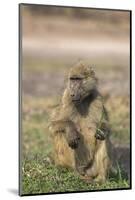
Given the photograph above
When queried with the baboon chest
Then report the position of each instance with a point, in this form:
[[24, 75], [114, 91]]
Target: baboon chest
[[84, 126]]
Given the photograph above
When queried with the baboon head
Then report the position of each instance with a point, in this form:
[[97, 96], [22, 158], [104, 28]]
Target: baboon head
[[81, 82]]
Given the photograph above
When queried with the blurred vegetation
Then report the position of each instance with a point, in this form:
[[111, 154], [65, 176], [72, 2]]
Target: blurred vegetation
[[78, 13]]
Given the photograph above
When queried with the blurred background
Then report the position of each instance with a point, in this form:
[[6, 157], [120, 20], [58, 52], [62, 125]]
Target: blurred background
[[53, 40]]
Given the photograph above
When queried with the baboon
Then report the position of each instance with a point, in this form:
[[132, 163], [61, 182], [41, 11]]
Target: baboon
[[80, 127]]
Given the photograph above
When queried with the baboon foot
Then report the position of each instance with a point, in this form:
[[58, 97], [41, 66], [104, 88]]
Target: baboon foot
[[49, 159], [86, 178], [99, 179]]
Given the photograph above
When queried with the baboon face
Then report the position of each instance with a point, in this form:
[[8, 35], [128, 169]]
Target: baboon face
[[75, 84], [81, 83]]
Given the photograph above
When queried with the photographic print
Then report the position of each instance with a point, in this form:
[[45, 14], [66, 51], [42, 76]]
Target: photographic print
[[75, 99]]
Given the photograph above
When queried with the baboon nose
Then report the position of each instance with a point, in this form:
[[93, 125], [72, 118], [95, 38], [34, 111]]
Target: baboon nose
[[72, 95], [75, 97]]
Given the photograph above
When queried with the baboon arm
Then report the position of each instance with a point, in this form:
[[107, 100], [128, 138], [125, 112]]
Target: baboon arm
[[98, 117], [56, 123], [61, 124], [57, 127]]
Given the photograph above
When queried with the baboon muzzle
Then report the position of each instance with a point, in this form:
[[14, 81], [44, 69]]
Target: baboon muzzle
[[75, 87], [75, 97]]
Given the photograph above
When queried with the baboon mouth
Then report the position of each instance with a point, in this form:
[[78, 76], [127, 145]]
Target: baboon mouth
[[76, 101]]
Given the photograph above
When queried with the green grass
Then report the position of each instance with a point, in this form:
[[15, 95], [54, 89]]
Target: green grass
[[38, 174]]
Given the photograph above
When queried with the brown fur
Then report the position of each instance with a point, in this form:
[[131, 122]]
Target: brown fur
[[82, 119]]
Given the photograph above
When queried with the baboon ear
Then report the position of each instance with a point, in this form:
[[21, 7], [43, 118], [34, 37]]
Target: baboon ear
[[92, 72]]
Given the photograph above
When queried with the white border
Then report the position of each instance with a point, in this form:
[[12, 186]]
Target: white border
[[9, 97]]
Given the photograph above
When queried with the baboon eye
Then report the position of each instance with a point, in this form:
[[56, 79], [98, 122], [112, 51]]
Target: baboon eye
[[75, 78]]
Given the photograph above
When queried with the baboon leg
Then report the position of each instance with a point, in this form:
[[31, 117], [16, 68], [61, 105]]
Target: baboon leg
[[87, 179], [92, 171], [62, 151], [103, 171], [103, 163], [99, 170]]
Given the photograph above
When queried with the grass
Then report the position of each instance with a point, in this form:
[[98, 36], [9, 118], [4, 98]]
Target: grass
[[38, 174]]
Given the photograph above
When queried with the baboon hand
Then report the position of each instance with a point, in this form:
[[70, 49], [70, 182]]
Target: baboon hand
[[73, 142], [100, 135]]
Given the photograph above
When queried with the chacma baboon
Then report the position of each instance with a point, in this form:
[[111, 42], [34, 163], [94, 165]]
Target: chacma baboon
[[80, 127]]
